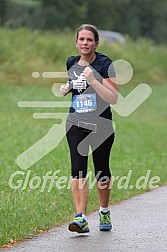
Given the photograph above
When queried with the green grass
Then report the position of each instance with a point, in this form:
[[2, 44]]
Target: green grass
[[140, 143]]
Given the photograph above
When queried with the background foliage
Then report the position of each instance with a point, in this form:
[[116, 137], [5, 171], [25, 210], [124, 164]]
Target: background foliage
[[138, 18]]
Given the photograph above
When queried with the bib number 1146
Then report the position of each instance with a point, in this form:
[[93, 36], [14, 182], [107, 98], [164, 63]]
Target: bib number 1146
[[84, 102]]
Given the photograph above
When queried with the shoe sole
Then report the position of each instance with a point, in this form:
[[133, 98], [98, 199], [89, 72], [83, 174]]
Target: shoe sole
[[105, 228], [74, 227]]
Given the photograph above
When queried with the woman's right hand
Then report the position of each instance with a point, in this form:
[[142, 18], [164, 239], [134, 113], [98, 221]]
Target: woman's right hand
[[64, 89]]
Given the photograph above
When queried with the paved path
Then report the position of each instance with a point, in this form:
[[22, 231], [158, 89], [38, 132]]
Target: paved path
[[139, 224]]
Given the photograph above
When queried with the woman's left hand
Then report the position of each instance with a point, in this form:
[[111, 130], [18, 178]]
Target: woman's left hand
[[88, 73]]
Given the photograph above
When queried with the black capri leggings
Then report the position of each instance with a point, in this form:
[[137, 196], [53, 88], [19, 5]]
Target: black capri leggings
[[79, 140]]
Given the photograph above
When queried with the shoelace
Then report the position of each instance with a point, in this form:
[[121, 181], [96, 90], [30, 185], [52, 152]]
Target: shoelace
[[79, 219], [105, 218]]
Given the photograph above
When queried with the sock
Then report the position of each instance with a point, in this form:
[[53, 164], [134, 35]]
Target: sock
[[84, 216], [104, 209]]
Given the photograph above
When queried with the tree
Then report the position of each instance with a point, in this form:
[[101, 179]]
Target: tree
[[59, 14], [3, 11]]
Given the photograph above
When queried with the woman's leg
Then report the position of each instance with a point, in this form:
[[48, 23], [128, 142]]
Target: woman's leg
[[101, 156], [103, 176], [80, 194], [104, 189], [78, 168]]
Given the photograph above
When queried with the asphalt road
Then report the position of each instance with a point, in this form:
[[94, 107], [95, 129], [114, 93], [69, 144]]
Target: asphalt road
[[139, 224]]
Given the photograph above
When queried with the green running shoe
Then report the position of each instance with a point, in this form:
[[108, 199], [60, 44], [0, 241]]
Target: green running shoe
[[105, 221], [79, 224]]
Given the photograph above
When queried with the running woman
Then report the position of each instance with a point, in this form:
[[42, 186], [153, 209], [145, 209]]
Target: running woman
[[92, 82]]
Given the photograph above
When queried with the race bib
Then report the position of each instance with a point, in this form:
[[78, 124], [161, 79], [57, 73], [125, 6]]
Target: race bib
[[84, 103]]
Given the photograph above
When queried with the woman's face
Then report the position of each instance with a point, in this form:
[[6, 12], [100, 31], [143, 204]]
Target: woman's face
[[86, 42]]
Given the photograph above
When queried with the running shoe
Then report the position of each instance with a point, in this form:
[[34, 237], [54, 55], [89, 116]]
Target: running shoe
[[79, 224], [105, 221]]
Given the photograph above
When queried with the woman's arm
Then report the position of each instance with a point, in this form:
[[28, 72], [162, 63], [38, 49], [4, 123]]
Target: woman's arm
[[108, 91]]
